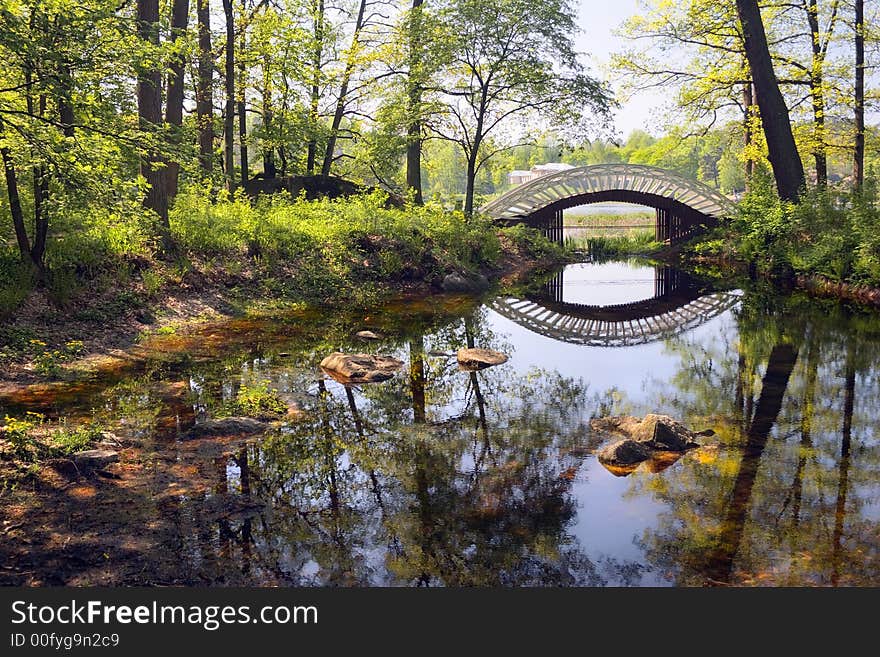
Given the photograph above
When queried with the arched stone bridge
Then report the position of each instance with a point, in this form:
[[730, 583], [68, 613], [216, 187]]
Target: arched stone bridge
[[678, 305], [682, 206]]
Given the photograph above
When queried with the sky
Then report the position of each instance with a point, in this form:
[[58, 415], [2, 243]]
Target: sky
[[598, 19]]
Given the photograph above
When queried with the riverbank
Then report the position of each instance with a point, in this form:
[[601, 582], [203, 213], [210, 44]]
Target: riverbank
[[812, 284], [46, 340]]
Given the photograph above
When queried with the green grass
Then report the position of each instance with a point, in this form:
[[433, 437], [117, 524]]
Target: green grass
[[639, 243], [326, 250], [65, 440]]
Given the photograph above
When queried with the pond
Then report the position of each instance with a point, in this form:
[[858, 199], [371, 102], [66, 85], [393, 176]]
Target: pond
[[446, 477]]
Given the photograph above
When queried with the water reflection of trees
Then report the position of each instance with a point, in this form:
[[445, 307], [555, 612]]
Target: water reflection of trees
[[785, 499], [438, 477]]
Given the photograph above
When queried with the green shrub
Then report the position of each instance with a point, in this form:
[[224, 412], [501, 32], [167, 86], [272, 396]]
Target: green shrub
[[532, 242], [66, 441], [19, 433], [335, 245], [16, 281]]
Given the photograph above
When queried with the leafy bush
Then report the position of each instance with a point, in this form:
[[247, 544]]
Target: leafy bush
[[16, 281], [831, 233], [19, 433], [66, 441], [334, 244], [532, 242]]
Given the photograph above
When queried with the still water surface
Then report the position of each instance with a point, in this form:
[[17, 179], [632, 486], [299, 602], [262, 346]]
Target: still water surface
[[447, 477]]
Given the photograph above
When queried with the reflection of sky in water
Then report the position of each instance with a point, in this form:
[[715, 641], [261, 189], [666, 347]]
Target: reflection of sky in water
[[609, 520], [604, 368], [606, 284]]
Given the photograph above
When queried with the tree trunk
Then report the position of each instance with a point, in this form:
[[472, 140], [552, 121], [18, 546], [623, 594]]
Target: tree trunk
[[282, 155], [317, 56], [21, 236], [470, 182], [788, 170], [65, 105], [149, 89], [414, 129], [40, 184], [343, 91], [174, 99], [859, 154], [229, 114], [269, 170], [748, 137], [242, 113], [205, 89], [817, 94]]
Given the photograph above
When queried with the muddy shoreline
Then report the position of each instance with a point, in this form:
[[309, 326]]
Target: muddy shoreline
[[196, 303]]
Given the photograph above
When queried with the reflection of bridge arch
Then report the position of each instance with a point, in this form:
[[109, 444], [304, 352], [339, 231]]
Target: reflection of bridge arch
[[678, 305], [682, 206]]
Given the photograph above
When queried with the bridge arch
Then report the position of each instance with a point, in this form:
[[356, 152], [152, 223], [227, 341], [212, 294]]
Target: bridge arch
[[678, 305], [682, 206]]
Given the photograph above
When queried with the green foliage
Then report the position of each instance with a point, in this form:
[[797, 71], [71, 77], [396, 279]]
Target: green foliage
[[16, 281], [532, 243], [48, 362], [638, 243], [18, 431], [256, 400], [32, 438], [332, 244], [65, 440], [830, 233]]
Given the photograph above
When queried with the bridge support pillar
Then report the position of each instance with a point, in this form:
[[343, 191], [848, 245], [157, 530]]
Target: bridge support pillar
[[553, 226], [668, 227]]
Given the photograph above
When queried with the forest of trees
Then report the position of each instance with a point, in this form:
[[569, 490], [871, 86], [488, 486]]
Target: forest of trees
[[816, 56], [108, 103], [110, 110]]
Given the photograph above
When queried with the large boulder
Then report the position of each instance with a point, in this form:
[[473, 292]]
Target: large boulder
[[465, 283], [479, 358], [360, 368], [662, 432], [226, 426], [658, 439], [624, 452]]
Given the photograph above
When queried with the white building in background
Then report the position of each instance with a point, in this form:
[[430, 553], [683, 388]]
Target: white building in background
[[519, 176]]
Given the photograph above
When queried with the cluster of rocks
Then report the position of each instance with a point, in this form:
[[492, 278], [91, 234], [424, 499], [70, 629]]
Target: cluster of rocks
[[652, 437]]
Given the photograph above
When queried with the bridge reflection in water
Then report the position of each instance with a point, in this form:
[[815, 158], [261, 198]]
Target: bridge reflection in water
[[680, 303]]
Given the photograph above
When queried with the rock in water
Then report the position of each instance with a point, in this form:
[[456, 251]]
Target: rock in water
[[624, 452], [656, 438], [480, 358], [465, 283], [662, 432], [368, 335], [94, 459], [360, 368], [227, 426]]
